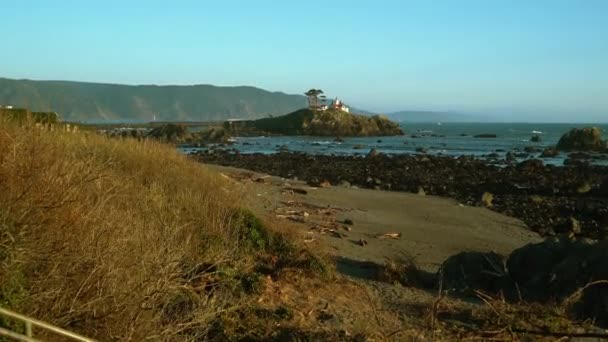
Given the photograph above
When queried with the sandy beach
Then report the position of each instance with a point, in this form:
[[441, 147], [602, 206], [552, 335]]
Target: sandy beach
[[429, 228]]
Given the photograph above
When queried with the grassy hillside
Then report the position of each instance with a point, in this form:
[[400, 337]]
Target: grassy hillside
[[125, 240], [95, 101], [327, 123]]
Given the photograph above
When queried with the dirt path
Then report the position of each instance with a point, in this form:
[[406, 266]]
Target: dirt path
[[428, 228]]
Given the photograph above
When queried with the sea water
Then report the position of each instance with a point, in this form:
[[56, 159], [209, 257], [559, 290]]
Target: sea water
[[450, 139]]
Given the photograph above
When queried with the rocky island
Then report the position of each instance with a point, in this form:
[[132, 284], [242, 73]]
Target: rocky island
[[330, 122], [317, 120]]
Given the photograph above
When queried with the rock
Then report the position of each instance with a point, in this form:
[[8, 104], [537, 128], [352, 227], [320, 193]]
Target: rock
[[485, 135], [556, 269], [549, 152], [379, 141], [297, 191], [604, 187], [174, 133], [553, 269], [530, 149], [486, 199], [582, 139], [349, 222], [469, 271], [575, 226], [314, 182], [421, 149], [579, 155], [592, 305], [358, 147], [530, 267], [531, 165], [593, 302], [536, 138], [510, 157], [325, 184], [575, 162], [373, 153], [583, 188], [283, 149], [345, 184], [217, 135], [339, 140]]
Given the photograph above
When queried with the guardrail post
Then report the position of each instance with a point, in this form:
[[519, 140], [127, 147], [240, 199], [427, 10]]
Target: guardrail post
[[28, 328]]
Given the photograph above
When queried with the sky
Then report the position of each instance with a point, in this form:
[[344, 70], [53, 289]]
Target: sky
[[517, 59]]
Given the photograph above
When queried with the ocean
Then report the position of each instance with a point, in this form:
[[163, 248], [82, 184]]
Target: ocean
[[450, 139]]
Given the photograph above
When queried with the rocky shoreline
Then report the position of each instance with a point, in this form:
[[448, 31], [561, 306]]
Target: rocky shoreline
[[549, 199]]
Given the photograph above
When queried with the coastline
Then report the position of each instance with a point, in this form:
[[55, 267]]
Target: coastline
[[550, 200]]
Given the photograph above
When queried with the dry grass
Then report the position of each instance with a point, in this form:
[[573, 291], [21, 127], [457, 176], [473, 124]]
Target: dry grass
[[116, 239]]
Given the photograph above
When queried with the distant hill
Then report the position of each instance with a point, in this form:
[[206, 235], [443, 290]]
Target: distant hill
[[79, 101], [430, 116]]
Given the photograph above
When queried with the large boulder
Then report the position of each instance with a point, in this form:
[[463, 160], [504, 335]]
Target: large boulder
[[562, 269], [558, 268], [547, 270], [549, 152], [467, 272], [593, 300], [582, 139]]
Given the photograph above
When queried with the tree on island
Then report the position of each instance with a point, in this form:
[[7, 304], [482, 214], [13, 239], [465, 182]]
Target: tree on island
[[313, 98]]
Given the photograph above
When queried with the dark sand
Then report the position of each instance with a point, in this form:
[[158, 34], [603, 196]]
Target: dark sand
[[431, 228]]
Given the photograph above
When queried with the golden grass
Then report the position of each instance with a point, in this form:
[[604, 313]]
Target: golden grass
[[116, 239]]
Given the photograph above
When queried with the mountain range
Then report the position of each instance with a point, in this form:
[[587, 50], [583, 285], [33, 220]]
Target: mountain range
[[80, 101], [98, 102]]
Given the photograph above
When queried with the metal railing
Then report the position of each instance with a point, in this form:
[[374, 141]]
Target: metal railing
[[30, 323]]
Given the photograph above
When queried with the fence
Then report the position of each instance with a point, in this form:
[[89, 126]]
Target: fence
[[30, 323]]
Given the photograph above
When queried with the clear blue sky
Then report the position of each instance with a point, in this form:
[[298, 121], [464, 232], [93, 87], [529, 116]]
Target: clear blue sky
[[529, 59]]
